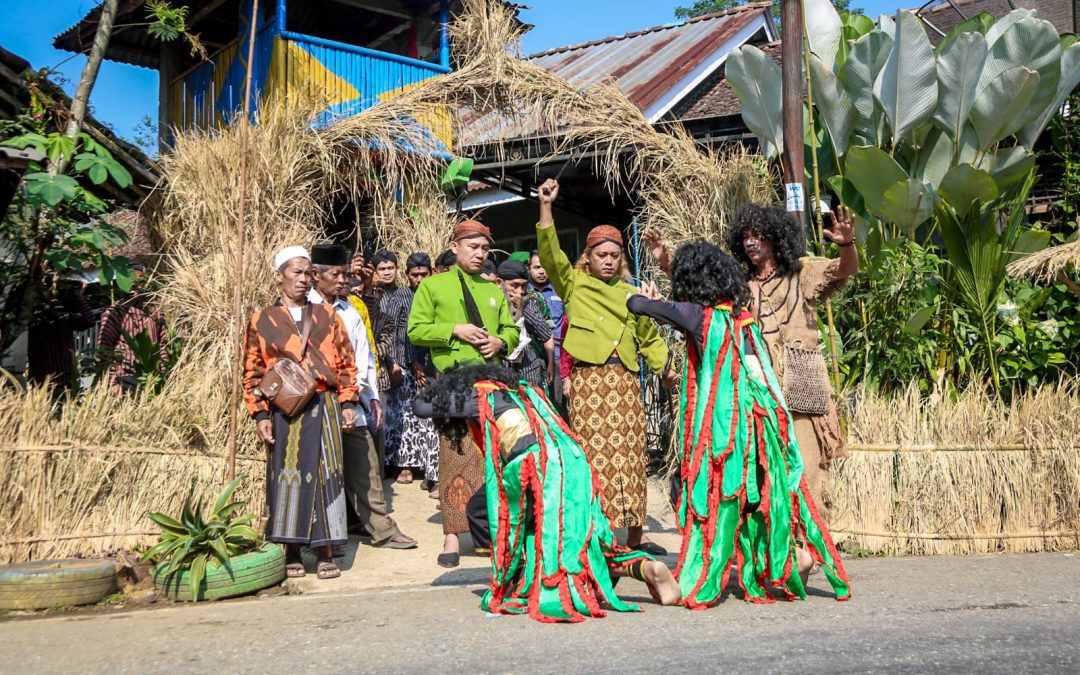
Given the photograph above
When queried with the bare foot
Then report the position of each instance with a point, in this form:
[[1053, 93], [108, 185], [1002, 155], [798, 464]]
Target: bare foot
[[662, 581], [804, 562]]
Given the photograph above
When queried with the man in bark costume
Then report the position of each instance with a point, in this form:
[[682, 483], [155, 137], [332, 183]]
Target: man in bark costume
[[461, 318], [744, 500], [605, 340], [786, 286], [554, 554]]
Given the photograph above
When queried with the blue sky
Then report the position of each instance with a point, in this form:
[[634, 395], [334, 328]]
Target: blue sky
[[125, 94]]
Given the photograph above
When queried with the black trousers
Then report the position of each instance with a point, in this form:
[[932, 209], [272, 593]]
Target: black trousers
[[476, 512]]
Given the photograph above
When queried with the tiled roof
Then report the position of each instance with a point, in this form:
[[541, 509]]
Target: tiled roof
[[944, 16]]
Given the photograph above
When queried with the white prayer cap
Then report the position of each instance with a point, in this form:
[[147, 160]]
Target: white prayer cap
[[288, 253]]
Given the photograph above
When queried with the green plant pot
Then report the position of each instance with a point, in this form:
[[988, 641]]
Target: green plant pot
[[57, 583], [250, 572]]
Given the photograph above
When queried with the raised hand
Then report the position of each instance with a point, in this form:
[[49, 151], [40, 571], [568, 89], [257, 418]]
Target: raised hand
[[549, 191], [842, 231], [657, 247]]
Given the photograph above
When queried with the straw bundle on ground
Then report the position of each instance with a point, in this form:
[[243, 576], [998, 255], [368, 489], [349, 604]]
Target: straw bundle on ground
[[976, 477], [1048, 263], [80, 477]]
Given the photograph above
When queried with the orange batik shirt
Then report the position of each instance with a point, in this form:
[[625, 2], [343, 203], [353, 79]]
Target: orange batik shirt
[[272, 334]]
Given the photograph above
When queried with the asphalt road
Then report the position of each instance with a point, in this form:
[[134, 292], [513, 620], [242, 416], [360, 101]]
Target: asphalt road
[[1017, 613]]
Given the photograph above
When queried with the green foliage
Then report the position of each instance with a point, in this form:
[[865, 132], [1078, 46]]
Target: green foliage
[[1064, 152], [167, 23], [194, 542], [54, 227]]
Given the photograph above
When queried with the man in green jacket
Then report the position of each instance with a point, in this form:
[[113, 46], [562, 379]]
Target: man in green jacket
[[605, 340], [440, 318], [461, 318]]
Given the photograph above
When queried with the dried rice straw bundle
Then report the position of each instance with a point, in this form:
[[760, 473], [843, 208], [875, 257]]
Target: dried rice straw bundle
[[1048, 263]]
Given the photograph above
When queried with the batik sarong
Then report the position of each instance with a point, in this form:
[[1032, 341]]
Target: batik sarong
[[461, 474], [304, 481], [607, 413], [411, 442]]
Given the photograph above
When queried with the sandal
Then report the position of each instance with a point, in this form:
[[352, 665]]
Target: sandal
[[405, 477], [294, 570], [327, 569]]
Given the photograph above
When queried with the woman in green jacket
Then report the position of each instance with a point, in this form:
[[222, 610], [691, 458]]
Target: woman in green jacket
[[604, 339]]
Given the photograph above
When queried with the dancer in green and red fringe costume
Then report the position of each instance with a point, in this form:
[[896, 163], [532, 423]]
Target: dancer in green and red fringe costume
[[554, 553], [744, 501]]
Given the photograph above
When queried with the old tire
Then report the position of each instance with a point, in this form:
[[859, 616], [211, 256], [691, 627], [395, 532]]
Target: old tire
[[251, 572], [43, 584]]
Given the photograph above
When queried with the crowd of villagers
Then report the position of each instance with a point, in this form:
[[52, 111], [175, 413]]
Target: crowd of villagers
[[512, 394]]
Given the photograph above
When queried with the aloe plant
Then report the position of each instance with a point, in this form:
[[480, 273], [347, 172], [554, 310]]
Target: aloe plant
[[194, 542]]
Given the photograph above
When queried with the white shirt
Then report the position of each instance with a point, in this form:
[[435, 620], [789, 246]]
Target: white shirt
[[366, 375]]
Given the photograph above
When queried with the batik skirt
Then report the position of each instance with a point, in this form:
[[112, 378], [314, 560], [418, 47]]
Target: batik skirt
[[304, 480], [461, 474], [411, 442], [607, 413]]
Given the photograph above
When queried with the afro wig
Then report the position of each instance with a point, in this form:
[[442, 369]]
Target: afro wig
[[703, 274], [454, 388], [775, 225]]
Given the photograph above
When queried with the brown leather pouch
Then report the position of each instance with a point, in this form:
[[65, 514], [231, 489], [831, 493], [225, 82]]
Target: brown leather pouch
[[286, 384]]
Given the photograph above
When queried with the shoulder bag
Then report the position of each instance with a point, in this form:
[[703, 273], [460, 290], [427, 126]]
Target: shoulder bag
[[287, 385]]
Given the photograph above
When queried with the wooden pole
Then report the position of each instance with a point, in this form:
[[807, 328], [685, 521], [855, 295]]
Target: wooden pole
[[241, 236], [791, 26]]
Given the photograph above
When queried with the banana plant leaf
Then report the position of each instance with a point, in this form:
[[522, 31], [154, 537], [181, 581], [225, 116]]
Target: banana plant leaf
[[909, 203], [872, 171], [1068, 79], [1010, 165], [1002, 25], [755, 78], [1001, 107], [1031, 43], [824, 30], [960, 66], [834, 104], [935, 158], [965, 185], [980, 23], [854, 27], [860, 71], [907, 87]]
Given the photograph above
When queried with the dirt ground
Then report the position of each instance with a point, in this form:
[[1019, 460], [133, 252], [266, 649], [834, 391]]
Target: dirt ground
[[367, 567]]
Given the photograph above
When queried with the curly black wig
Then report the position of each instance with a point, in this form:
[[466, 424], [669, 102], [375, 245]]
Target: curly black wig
[[454, 388], [776, 225], [703, 274]]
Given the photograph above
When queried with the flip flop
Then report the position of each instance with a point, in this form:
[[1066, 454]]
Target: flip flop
[[295, 570], [327, 569], [404, 478], [401, 545]]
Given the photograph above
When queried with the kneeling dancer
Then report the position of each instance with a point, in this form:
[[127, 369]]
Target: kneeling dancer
[[744, 497], [553, 550]]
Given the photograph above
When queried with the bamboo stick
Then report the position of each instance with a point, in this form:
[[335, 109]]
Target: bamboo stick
[[862, 447], [959, 537], [94, 449], [241, 236], [71, 537]]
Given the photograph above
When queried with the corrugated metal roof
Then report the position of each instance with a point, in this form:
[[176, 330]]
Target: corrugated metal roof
[[646, 65]]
